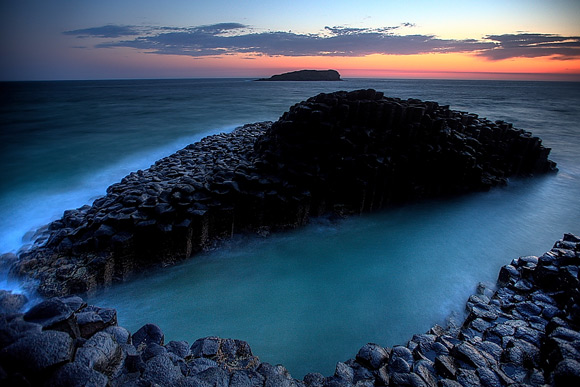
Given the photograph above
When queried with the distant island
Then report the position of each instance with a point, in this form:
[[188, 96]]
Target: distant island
[[305, 75]]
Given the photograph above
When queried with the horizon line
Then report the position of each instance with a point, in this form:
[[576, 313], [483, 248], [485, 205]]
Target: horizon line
[[493, 76]]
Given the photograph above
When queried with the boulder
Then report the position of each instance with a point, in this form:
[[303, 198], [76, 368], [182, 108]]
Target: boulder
[[372, 355], [314, 379], [344, 373], [445, 366], [38, 352], [93, 319], [566, 373], [77, 374], [152, 350], [469, 354], [50, 313], [11, 302], [120, 334], [102, 353], [206, 347], [160, 370], [14, 327], [214, 376], [180, 348], [243, 378], [147, 334], [200, 364]]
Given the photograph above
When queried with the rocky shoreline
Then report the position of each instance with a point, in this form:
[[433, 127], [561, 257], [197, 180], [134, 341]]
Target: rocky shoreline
[[525, 332], [338, 154]]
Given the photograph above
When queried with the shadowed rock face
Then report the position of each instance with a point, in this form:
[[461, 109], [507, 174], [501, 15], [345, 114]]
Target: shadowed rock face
[[306, 75], [341, 153], [363, 151]]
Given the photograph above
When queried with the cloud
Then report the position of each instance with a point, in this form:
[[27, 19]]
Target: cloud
[[236, 38], [108, 31], [338, 31], [526, 45], [232, 38], [220, 28]]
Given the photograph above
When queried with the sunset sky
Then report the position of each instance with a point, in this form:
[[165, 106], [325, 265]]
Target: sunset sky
[[111, 39]]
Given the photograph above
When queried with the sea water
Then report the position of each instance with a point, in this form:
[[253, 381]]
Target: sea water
[[310, 297]]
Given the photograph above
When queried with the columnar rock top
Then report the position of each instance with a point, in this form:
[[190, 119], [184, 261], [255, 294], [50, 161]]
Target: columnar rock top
[[340, 153], [421, 148], [525, 332]]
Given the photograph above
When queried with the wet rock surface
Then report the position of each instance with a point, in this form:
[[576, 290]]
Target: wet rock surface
[[340, 154], [525, 336]]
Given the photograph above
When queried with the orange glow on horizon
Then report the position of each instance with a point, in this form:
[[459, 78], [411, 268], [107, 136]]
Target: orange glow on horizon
[[451, 66], [424, 65], [385, 66]]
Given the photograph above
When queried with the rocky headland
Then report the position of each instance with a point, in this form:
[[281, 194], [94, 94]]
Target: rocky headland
[[522, 332], [338, 154], [305, 75]]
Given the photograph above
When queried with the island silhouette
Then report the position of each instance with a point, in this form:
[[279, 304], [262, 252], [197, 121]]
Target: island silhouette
[[305, 75]]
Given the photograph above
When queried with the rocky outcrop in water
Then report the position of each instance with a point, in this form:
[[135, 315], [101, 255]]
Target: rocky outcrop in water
[[341, 153], [306, 75], [362, 151], [524, 333]]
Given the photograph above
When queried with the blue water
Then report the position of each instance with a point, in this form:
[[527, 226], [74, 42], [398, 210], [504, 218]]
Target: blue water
[[311, 297]]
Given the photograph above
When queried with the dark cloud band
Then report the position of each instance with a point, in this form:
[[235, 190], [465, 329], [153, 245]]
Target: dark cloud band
[[236, 38], [533, 46], [108, 31]]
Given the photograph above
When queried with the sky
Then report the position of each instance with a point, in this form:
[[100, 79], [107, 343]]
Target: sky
[[124, 39]]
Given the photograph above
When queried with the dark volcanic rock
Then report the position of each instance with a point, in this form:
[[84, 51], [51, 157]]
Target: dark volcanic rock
[[373, 355], [148, 334], [11, 302], [38, 352], [306, 75], [54, 314], [77, 374], [505, 340], [362, 151], [335, 154], [161, 370]]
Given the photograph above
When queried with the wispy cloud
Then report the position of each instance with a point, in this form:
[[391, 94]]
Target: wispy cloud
[[236, 38], [528, 45], [108, 31]]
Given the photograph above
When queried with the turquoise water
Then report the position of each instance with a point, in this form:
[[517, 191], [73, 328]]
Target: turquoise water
[[311, 297]]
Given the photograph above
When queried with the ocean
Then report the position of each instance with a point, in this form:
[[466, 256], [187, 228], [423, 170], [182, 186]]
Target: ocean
[[310, 297]]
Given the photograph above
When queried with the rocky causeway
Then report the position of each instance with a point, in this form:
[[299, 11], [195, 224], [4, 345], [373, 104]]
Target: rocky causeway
[[337, 154]]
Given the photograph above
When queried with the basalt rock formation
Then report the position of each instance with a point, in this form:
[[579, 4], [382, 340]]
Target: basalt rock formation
[[526, 332], [362, 151], [305, 75], [341, 153]]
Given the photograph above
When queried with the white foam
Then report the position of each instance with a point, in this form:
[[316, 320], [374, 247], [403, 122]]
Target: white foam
[[10, 284], [22, 213]]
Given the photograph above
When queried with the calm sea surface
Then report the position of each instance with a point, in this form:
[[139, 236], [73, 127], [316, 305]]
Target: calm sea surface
[[307, 298]]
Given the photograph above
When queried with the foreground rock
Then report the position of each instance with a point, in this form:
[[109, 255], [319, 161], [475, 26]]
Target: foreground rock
[[306, 75], [524, 333], [339, 154]]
